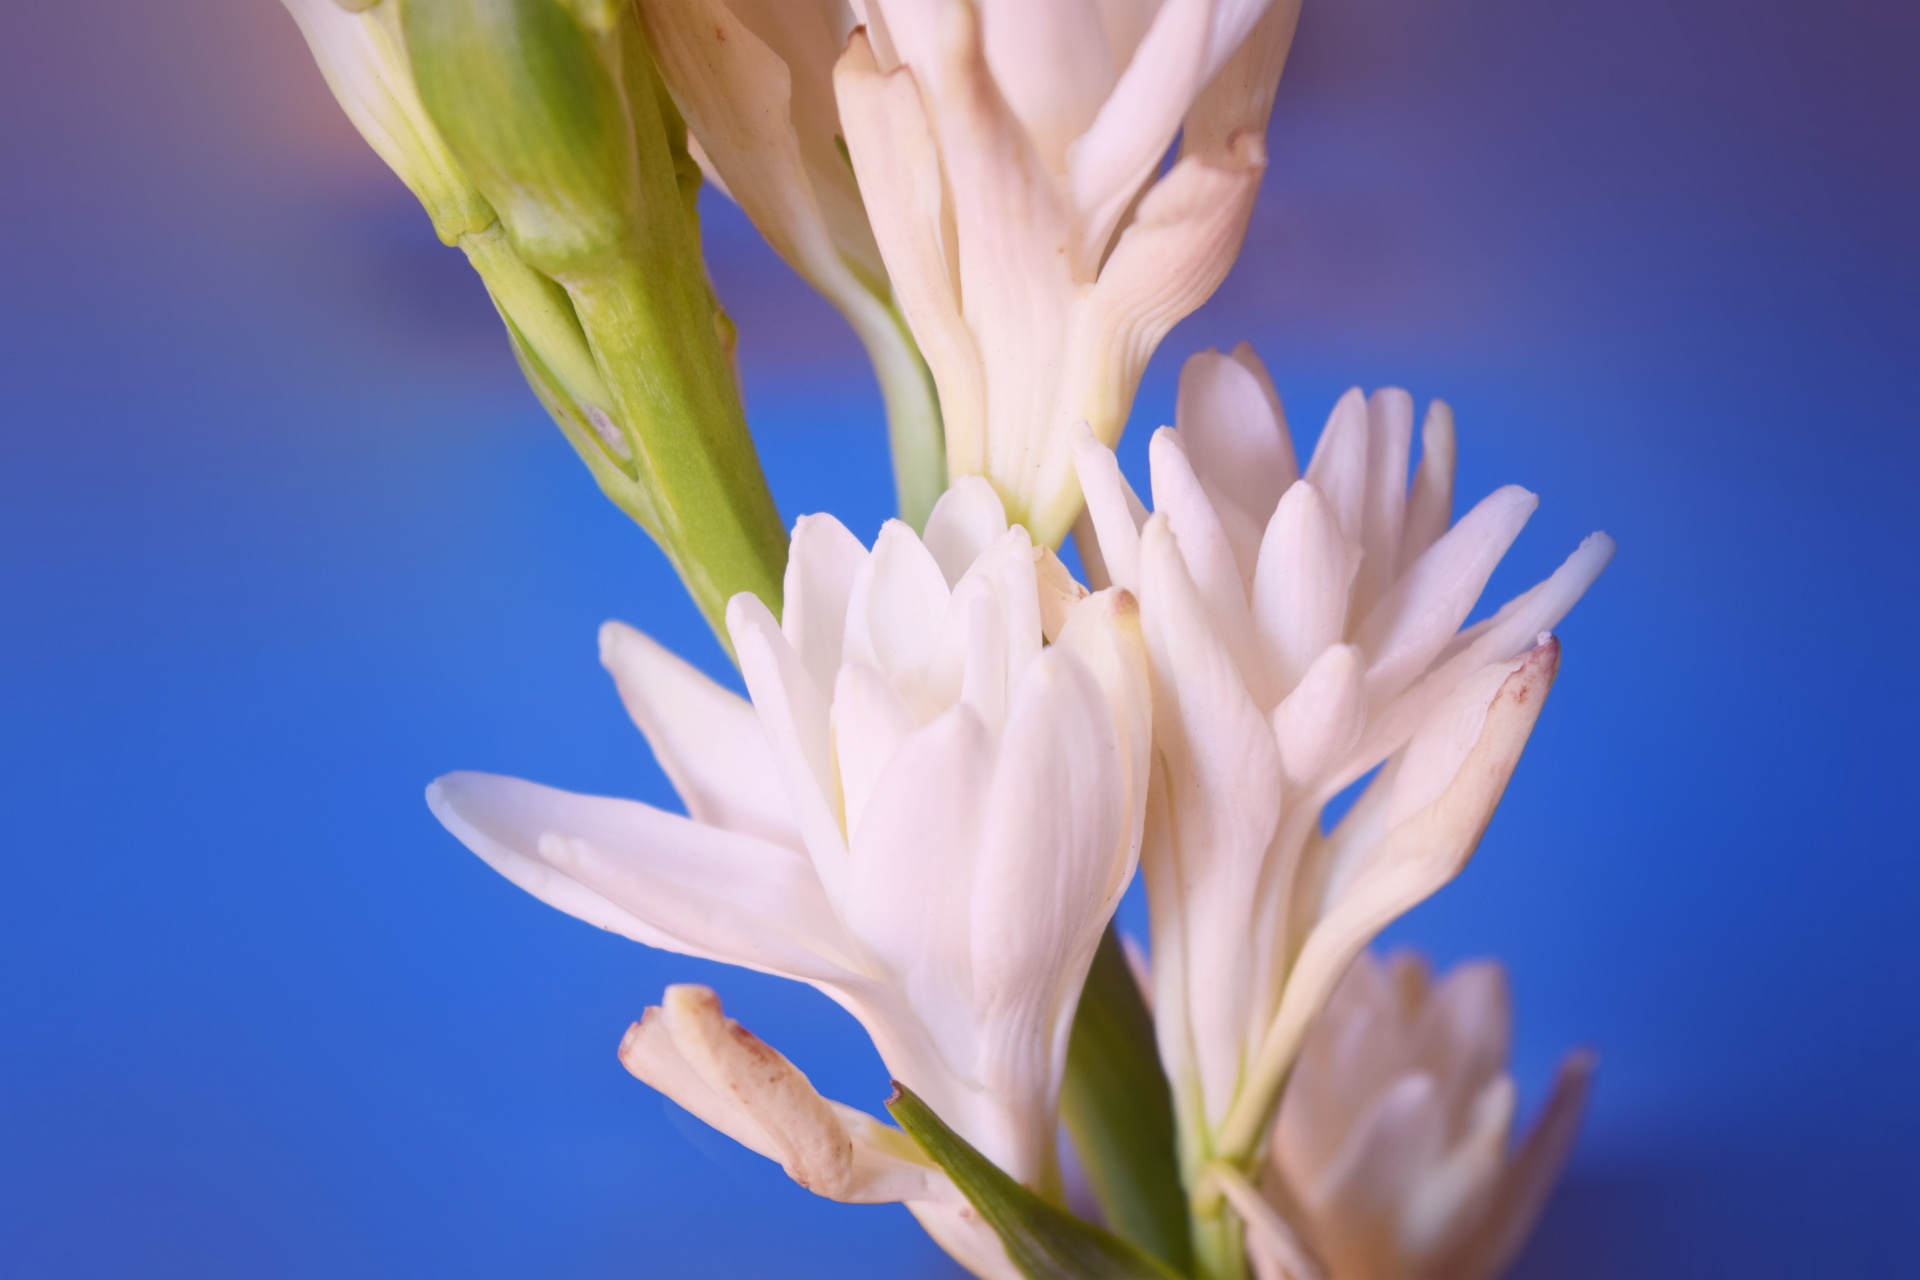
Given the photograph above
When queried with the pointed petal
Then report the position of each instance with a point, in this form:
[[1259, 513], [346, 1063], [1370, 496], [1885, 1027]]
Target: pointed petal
[[1056, 851], [899, 602], [1059, 593], [1530, 1175], [822, 562], [870, 721], [909, 881], [1239, 445], [1466, 1030], [707, 738], [1339, 465], [966, 520], [891, 145], [1178, 495], [1376, 882], [1222, 800], [1453, 1193], [694, 889], [1416, 618], [1430, 505], [793, 715], [1321, 720], [1390, 438], [739, 97], [1301, 584], [1115, 510], [1360, 1193]]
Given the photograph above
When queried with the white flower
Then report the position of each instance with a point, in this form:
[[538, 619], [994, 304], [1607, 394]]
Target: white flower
[[1394, 1144], [923, 812], [1302, 632], [1007, 156], [754, 81], [721, 1072]]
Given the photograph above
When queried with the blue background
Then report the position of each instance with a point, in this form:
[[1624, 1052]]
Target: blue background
[[282, 537]]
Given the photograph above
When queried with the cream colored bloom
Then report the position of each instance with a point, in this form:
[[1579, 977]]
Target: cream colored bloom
[[721, 1072], [754, 80], [1303, 631], [923, 812], [1394, 1147], [1008, 153]]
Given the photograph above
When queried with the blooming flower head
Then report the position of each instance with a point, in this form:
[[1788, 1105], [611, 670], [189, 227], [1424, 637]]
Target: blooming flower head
[[1007, 154], [1302, 631], [925, 811], [1394, 1145]]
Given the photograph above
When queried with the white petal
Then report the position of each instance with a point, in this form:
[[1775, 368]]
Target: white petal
[[1390, 438], [1223, 801], [1359, 1194], [1453, 1195], [1178, 495], [1053, 64], [1059, 593], [870, 721], [1430, 504], [1104, 632], [1301, 584], [966, 520], [1339, 466], [822, 560], [891, 145], [899, 602], [1525, 616], [1466, 1030], [1238, 442], [765, 120], [909, 882], [793, 714], [1416, 618], [1320, 721], [1408, 860], [1239, 98], [1115, 510], [1530, 1175], [707, 738], [694, 889]]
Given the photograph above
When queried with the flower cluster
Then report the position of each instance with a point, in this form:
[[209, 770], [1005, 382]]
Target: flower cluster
[[952, 756]]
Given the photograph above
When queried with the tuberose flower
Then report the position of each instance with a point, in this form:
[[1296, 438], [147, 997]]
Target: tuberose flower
[[1007, 154], [1302, 631], [1394, 1146], [924, 812], [754, 81]]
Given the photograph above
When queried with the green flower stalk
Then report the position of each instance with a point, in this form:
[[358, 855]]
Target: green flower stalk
[[538, 137]]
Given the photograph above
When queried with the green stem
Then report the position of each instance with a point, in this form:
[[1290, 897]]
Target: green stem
[[1219, 1246]]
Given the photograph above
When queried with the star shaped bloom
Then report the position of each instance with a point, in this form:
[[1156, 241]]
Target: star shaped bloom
[[1303, 631], [925, 811], [1394, 1144], [1009, 155]]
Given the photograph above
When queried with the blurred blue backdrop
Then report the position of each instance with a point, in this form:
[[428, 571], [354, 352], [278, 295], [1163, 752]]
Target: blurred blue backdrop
[[282, 537]]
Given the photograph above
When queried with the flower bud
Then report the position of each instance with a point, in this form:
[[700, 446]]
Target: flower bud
[[530, 97]]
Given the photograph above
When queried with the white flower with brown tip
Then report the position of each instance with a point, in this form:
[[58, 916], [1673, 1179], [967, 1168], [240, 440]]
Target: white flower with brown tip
[[1303, 631]]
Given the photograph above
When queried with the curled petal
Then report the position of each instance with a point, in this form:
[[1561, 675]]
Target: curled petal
[[689, 1050], [967, 519], [1116, 511], [1430, 504], [1235, 433]]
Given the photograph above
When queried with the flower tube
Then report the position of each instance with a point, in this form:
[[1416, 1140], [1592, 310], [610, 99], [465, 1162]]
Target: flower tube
[[928, 809], [1304, 631], [1007, 154]]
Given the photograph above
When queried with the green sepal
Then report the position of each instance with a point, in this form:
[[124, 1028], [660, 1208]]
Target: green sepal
[[1043, 1241], [1119, 1111], [529, 98]]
